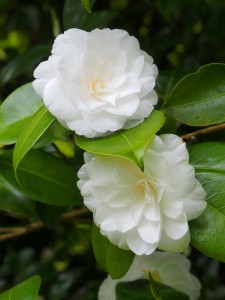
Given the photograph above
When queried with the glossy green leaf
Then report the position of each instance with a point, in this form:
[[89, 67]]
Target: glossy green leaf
[[110, 258], [36, 127], [24, 62], [55, 132], [99, 19], [166, 81], [74, 14], [16, 111], [13, 201], [86, 5], [27, 290], [140, 290], [207, 231], [199, 98], [43, 177], [129, 144]]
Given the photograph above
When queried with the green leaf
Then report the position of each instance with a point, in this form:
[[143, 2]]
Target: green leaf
[[199, 98], [49, 214], [43, 177], [55, 132], [207, 231], [16, 111], [110, 258], [86, 5], [99, 19], [36, 127], [129, 144], [139, 290], [166, 81], [27, 290], [74, 14], [24, 62], [13, 201]]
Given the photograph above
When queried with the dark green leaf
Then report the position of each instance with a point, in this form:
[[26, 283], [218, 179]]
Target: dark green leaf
[[99, 19], [139, 290], [49, 214], [16, 111], [36, 127], [129, 144], [86, 5], [199, 98], [207, 231], [112, 259], [13, 201], [43, 177], [23, 62], [166, 81], [27, 290], [74, 14]]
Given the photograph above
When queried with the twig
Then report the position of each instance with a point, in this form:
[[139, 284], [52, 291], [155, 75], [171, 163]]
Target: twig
[[12, 232], [207, 130]]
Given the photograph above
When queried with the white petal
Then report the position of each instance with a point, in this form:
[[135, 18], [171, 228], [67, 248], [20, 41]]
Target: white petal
[[107, 289], [150, 232], [175, 228], [168, 244], [194, 204], [137, 244]]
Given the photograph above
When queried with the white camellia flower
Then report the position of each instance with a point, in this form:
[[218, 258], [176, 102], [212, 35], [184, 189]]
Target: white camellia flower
[[97, 82], [142, 211], [168, 268]]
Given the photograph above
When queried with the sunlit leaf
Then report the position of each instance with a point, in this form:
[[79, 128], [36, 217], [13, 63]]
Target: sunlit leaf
[[16, 111], [33, 131], [129, 144], [27, 290]]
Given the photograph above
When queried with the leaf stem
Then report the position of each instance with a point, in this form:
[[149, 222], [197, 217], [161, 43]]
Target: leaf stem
[[153, 288], [206, 130]]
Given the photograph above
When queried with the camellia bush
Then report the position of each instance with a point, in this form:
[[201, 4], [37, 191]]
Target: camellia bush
[[133, 155]]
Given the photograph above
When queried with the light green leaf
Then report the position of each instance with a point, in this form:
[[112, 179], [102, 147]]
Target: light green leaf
[[43, 177], [207, 231], [86, 4], [27, 290], [199, 98], [36, 127], [23, 62], [140, 290], [16, 111], [129, 144], [110, 258]]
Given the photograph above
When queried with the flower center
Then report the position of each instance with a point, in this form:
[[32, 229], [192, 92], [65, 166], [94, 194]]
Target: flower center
[[97, 86], [145, 186]]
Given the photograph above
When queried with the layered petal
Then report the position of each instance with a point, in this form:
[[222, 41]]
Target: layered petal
[[97, 82]]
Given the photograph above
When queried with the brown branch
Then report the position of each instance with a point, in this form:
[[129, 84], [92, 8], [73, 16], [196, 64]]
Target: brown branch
[[17, 231], [12, 232], [206, 130]]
